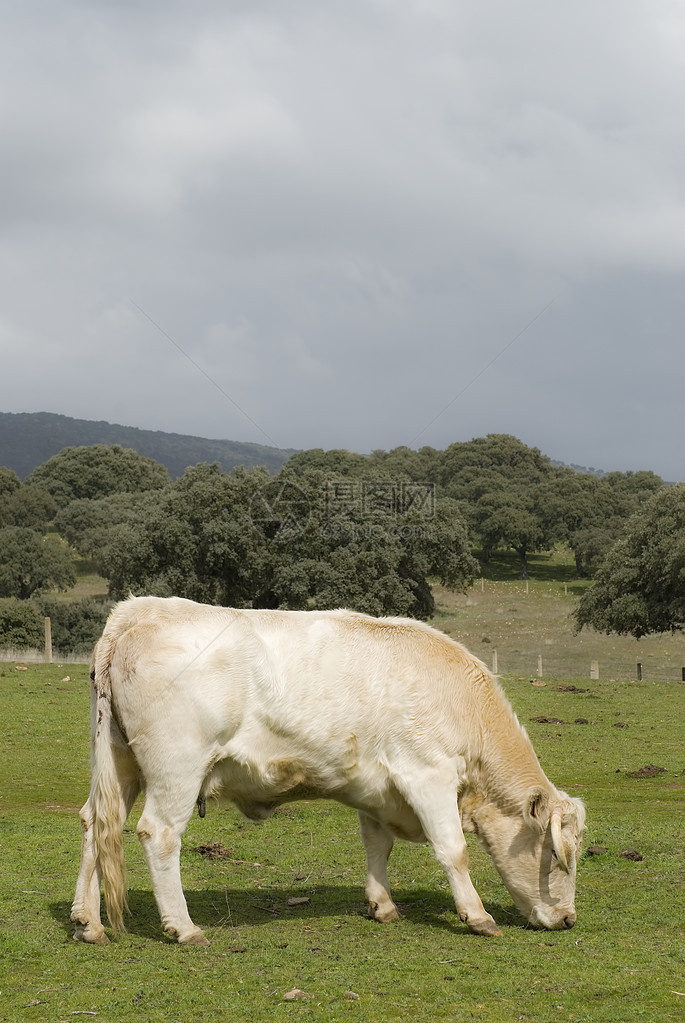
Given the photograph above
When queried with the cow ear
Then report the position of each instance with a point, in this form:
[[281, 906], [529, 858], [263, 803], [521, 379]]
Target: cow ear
[[537, 807]]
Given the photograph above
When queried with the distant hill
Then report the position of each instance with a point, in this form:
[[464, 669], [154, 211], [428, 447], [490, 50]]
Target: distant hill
[[27, 439]]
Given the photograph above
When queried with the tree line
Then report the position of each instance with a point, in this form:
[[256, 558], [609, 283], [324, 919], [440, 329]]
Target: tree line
[[334, 528]]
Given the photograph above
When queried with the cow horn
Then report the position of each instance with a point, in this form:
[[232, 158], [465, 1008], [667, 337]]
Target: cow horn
[[557, 841]]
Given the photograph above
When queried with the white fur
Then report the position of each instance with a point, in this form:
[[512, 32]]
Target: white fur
[[388, 716]]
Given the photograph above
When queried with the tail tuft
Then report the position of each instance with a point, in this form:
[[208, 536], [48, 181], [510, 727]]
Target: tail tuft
[[106, 796]]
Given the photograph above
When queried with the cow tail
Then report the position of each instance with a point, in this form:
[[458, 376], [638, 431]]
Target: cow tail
[[106, 795]]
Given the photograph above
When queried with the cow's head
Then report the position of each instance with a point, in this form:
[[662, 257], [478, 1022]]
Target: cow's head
[[536, 854]]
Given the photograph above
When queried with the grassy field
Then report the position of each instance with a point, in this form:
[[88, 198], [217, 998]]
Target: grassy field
[[524, 622], [624, 960]]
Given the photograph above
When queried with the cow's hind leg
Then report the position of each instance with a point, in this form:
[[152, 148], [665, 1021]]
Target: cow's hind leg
[[163, 821], [434, 800], [378, 843]]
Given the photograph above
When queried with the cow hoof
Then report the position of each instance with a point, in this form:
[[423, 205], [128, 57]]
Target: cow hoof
[[385, 914], [486, 927], [195, 937], [90, 935]]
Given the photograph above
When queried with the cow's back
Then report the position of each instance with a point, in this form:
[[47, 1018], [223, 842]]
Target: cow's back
[[354, 667], [292, 683]]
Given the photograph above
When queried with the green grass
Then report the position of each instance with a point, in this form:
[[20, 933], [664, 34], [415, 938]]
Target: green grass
[[88, 584], [556, 565], [525, 621], [623, 961]]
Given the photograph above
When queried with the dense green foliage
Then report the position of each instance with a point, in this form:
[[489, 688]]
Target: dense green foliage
[[31, 563], [9, 481], [500, 483], [307, 537], [30, 506], [196, 540], [76, 625], [86, 523], [20, 623], [640, 587], [513, 497], [97, 471], [23, 505], [595, 511], [329, 529]]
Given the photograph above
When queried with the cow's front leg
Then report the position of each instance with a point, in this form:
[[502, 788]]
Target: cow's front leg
[[433, 798], [160, 829], [378, 843]]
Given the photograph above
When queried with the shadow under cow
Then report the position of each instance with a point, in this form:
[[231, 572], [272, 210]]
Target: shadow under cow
[[212, 908]]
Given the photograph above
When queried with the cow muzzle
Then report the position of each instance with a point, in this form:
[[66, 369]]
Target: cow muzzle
[[552, 919]]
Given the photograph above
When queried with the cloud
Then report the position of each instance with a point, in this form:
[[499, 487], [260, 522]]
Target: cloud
[[342, 214]]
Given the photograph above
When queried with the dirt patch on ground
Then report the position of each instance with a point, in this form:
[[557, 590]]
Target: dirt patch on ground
[[648, 771], [541, 719], [214, 851], [217, 851], [632, 854], [570, 689]]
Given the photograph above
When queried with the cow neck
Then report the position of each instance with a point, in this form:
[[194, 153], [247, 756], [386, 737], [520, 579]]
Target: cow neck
[[507, 766]]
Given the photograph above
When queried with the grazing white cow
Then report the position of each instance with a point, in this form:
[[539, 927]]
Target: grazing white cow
[[386, 715]]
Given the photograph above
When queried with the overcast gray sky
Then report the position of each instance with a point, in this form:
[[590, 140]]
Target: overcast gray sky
[[342, 223]]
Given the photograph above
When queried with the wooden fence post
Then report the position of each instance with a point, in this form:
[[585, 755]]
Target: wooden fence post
[[48, 641], [539, 664], [639, 671], [594, 669], [494, 662]]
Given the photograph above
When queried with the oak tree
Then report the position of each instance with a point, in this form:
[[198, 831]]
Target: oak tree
[[32, 563], [640, 586], [97, 470]]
